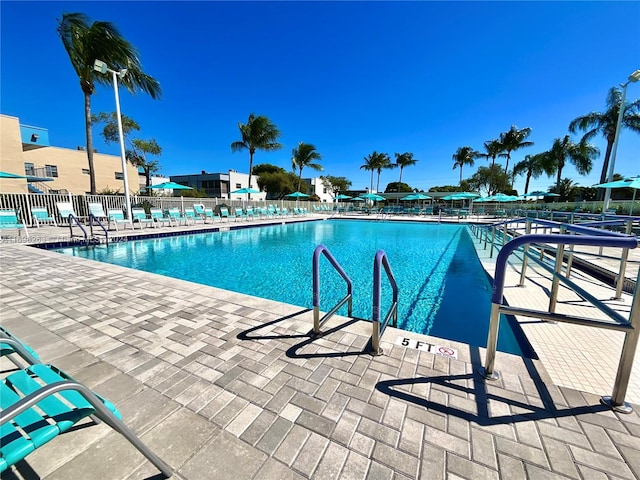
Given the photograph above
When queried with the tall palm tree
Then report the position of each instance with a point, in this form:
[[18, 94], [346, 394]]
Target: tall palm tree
[[375, 162], [86, 42], [304, 156], [493, 149], [404, 160], [464, 156], [581, 155], [531, 166], [513, 140], [259, 133], [605, 123], [383, 162]]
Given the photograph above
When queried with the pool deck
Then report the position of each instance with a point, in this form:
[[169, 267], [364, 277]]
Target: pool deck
[[225, 385]]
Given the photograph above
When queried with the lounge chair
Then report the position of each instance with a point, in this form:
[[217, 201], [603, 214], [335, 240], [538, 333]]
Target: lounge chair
[[117, 218], [40, 216], [198, 210], [210, 214], [192, 217], [65, 209], [239, 213], [97, 210], [158, 217], [9, 220], [251, 213], [224, 213], [140, 218], [10, 345], [177, 217], [41, 402]]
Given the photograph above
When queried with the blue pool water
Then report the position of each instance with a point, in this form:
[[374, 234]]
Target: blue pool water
[[443, 289]]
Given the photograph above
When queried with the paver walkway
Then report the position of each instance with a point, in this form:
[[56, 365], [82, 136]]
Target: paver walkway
[[223, 385]]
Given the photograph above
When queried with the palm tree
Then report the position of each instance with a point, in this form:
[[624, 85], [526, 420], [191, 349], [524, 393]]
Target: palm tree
[[605, 123], [566, 189], [513, 140], [259, 133], [532, 166], [581, 155], [304, 156], [464, 156], [138, 157], [404, 160], [493, 149], [87, 42], [383, 161]]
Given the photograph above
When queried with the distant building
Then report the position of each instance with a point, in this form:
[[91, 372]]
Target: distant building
[[25, 150], [317, 187], [221, 185]]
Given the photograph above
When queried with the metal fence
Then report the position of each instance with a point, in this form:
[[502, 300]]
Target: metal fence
[[24, 202]]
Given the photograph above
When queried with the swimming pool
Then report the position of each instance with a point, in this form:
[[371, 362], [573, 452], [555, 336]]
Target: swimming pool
[[443, 289]]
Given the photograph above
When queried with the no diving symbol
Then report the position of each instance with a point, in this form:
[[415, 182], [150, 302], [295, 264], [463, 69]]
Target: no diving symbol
[[447, 352]]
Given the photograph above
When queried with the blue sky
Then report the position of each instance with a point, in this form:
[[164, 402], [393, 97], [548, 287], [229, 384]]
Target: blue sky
[[351, 78]]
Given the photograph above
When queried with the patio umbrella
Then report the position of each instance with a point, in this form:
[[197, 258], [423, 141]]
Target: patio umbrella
[[626, 183], [170, 186], [342, 197], [357, 199], [372, 196], [297, 195], [409, 197], [246, 190], [10, 175]]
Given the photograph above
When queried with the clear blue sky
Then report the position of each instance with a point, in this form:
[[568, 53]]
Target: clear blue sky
[[351, 78]]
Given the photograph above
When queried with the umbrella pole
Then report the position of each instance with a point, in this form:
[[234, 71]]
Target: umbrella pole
[[633, 200]]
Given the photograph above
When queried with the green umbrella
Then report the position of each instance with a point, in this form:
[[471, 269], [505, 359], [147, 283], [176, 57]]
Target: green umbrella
[[297, 195], [246, 190], [10, 175], [626, 183], [170, 186]]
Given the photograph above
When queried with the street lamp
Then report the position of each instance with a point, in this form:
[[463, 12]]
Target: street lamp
[[634, 77], [100, 66]]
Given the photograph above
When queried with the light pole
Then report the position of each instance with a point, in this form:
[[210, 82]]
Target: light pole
[[634, 77], [101, 67]]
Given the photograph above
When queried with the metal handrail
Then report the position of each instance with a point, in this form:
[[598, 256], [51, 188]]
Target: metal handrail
[[631, 327], [381, 260], [75, 220], [348, 298], [93, 218]]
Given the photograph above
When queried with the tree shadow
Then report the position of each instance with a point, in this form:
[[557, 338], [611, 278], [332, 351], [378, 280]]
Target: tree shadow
[[482, 396]]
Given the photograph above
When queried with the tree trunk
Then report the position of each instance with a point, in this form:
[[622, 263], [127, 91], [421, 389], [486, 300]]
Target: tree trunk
[[250, 170], [400, 181], [371, 183], [526, 183], [89, 135]]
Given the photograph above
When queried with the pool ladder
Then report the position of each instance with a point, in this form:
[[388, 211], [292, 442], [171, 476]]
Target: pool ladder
[[381, 261], [89, 238]]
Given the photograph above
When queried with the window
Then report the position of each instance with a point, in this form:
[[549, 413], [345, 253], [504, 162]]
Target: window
[[238, 185], [85, 171], [119, 176], [29, 169], [51, 170]]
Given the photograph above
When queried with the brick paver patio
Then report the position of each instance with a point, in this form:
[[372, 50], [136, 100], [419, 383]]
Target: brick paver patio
[[223, 385]]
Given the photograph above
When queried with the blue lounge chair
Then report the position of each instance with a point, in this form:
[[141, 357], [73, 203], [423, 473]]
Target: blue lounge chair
[[10, 344], [158, 217], [177, 217], [9, 220], [210, 214], [192, 217], [224, 213], [117, 218], [41, 402], [198, 210], [65, 209], [140, 218], [40, 216]]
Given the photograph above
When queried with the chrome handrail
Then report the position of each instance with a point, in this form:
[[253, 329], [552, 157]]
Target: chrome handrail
[[630, 327], [381, 260], [348, 298]]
